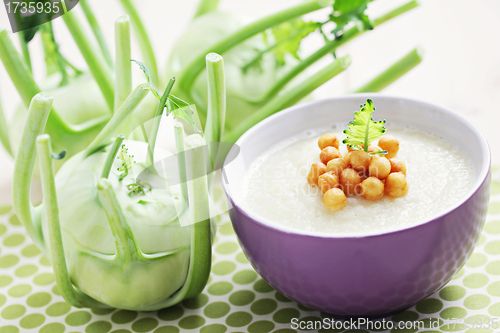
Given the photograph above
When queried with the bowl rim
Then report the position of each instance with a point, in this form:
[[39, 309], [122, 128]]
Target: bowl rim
[[481, 175]]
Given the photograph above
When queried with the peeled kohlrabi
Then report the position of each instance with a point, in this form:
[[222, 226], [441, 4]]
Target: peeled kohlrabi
[[114, 239]]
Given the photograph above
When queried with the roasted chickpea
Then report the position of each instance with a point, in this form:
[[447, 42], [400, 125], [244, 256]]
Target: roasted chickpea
[[389, 143], [363, 174], [329, 153], [396, 185], [334, 199], [328, 140], [347, 158], [317, 169], [372, 189], [398, 166], [380, 167], [360, 160], [337, 165], [349, 180], [328, 181]]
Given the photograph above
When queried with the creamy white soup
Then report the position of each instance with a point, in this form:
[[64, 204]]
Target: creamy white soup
[[438, 175]]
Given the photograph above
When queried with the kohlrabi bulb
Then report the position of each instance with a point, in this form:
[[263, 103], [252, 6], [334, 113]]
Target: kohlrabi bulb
[[158, 266], [245, 87], [77, 104], [119, 230]]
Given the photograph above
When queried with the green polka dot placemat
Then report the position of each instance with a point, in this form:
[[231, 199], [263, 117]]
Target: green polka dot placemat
[[236, 299]]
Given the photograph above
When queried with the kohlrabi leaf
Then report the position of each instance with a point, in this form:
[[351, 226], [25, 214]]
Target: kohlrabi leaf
[[175, 103], [282, 40], [345, 11], [363, 130], [176, 106], [146, 72], [181, 109], [288, 36]]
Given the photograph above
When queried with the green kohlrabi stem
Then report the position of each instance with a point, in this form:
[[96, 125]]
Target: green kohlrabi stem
[[96, 63], [395, 12], [126, 248], [294, 72], [51, 211], [290, 37], [4, 131], [181, 158], [54, 241], [291, 96], [25, 50], [111, 156], [357, 30], [27, 87], [16, 68], [96, 29], [201, 244], [143, 39], [330, 47], [157, 120], [125, 110], [201, 248], [200, 211], [54, 60], [123, 67], [394, 72], [191, 72], [22, 39], [50, 52], [34, 125], [216, 112], [205, 6]]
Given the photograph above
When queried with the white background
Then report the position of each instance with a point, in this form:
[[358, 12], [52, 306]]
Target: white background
[[461, 68]]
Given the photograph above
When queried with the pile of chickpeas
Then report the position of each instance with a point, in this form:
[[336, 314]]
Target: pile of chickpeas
[[357, 172]]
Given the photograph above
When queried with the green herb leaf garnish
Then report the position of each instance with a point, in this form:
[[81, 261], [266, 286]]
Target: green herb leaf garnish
[[363, 130], [146, 72]]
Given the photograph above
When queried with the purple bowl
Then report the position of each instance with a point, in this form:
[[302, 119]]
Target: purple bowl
[[371, 275]]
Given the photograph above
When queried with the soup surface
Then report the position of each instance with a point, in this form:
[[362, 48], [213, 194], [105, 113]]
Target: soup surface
[[438, 174]]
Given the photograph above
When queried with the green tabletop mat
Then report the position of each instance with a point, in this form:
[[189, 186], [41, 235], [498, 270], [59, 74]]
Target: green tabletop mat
[[236, 299]]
